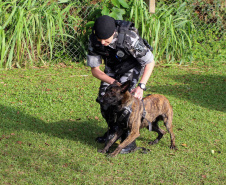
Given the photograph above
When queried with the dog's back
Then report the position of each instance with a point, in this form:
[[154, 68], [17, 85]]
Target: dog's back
[[156, 105]]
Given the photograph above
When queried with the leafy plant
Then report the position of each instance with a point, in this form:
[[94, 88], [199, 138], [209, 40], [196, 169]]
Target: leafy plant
[[112, 8], [29, 30], [169, 30]]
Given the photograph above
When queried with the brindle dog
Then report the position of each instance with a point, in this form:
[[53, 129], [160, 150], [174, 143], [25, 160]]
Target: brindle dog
[[157, 108]]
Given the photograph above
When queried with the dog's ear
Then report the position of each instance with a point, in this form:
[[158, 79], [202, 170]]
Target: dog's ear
[[116, 83], [125, 86]]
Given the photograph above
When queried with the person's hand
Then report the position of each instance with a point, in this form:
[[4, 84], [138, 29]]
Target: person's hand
[[138, 93], [117, 83]]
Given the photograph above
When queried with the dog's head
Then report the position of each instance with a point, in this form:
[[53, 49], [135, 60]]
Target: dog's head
[[115, 93]]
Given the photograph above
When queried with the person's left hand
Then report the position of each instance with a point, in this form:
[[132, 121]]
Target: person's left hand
[[138, 93]]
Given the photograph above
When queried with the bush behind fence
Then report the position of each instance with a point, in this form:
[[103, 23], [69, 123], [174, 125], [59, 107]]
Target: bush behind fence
[[34, 34]]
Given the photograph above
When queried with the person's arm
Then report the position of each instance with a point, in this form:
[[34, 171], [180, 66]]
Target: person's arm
[[144, 56], [138, 92], [147, 72], [97, 73]]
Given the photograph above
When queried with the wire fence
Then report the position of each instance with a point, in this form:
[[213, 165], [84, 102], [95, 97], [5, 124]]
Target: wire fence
[[74, 49], [210, 25], [209, 21], [208, 17]]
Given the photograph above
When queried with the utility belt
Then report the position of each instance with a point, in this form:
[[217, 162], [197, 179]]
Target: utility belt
[[120, 68]]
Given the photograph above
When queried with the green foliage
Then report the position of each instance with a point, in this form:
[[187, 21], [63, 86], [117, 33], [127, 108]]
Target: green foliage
[[41, 31], [169, 30], [113, 8], [210, 51], [30, 29], [210, 36]]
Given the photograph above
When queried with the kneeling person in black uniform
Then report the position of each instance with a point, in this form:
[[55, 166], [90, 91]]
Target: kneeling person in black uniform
[[126, 56]]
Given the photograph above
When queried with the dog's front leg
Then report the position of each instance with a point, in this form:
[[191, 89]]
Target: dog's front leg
[[112, 141], [132, 136]]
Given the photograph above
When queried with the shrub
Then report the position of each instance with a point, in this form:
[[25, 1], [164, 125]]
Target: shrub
[[30, 29]]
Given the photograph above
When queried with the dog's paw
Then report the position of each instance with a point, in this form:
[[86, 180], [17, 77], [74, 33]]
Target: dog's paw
[[150, 143], [111, 155], [173, 147], [153, 142], [101, 151]]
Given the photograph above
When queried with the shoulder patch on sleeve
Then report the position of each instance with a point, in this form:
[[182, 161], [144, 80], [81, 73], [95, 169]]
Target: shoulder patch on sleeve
[[139, 46]]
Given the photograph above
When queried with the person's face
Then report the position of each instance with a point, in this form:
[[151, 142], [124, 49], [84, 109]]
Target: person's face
[[106, 42]]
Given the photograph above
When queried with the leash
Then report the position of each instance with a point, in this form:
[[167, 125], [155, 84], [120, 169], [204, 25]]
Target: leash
[[143, 117]]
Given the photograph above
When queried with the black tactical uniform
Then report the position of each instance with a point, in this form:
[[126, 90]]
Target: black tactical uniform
[[124, 59]]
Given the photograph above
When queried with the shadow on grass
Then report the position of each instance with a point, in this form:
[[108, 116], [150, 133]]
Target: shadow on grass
[[203, 90], [78, 130]]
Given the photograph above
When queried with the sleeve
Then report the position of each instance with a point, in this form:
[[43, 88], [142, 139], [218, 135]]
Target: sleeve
[[93, 59], [138, 49]]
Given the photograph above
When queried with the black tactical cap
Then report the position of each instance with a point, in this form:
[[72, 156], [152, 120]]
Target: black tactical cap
[[104, 27]]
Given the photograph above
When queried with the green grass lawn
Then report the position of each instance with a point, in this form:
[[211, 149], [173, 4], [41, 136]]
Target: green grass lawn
[[49, 121]]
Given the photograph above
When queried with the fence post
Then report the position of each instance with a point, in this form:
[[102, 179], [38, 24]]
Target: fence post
[[151, 5]]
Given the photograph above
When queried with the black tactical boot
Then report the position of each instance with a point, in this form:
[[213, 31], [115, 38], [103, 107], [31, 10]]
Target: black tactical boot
[[108, 135], [131, 147]]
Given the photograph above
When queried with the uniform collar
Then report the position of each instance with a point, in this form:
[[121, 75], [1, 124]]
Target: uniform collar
[[114, 41]]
